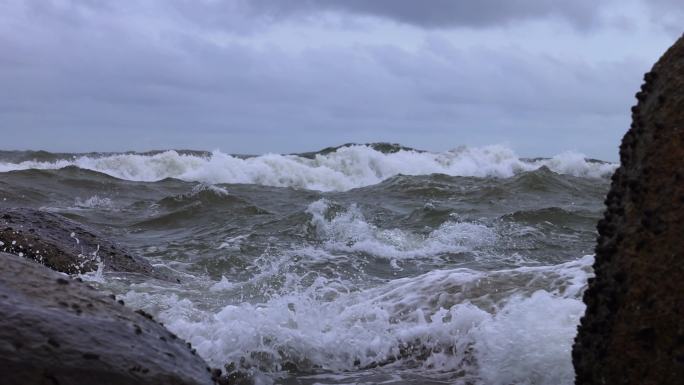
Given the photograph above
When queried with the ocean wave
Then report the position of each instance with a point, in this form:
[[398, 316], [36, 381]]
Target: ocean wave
[[349, 231], [94, 202], [341, 170], [444, 321]]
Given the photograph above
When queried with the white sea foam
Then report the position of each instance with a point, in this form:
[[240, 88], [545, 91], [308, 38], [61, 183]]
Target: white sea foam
[[347, 168], [349, 231], [218, 190], [94, 202], [233, 243], [573, 163], [222, 285], [528, 341], [496, 327]]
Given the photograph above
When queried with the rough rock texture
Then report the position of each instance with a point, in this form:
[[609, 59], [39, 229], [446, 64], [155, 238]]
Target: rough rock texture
[[55, 330], [63, 244], [633, 330]]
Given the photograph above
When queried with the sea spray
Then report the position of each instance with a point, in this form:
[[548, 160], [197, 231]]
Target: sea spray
[[344, 169], [445, 321], [346, 266]]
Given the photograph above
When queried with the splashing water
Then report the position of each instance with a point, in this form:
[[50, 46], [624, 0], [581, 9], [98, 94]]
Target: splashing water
[[350, 266], [344, 169]]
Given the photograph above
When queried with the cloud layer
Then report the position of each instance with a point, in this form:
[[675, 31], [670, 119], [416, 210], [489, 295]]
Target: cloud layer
[[436, 13], [289, 76]]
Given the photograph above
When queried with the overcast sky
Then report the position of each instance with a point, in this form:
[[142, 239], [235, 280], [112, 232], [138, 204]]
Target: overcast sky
[[254, 76]]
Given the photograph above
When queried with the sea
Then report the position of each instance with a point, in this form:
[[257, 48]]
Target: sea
[[356, 264]]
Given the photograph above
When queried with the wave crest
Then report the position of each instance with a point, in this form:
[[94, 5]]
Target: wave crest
[[344, 169], [349, 231], [442, 321]]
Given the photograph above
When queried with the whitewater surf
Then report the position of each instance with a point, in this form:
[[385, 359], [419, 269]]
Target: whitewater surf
[[358, 264]]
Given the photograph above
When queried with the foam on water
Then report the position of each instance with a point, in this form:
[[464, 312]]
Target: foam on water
[[446, 280], [349, 231], [218, 190], [344, 169], [494, 327], [573, 163], [222, 285], [94, 202]]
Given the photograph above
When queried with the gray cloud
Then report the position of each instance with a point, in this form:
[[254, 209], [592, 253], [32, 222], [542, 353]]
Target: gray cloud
[[444, 13], [100, 76], [252, 15], [668, 14]]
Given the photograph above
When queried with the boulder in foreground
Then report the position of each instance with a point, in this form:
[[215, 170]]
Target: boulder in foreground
[[64, 245], [55, 330], [633, 330]]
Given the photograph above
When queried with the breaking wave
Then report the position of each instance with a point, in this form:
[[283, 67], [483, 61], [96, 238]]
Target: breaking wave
[[458, 267], [445, 321], [344, 169], [349, 231]]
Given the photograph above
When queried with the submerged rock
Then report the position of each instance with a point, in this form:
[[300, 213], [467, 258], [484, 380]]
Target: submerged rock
[[55, 330], [62, 244], [633, 330]]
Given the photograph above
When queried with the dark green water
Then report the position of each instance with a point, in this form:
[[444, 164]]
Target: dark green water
[[350, 266]]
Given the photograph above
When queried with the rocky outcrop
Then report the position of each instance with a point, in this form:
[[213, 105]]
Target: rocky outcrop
[[62, 244], [633, 330], [55, 330], [383, 147]]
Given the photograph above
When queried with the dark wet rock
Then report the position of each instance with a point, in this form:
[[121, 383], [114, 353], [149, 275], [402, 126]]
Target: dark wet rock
[[52, 332], [383, 147], [235, 378], [234, 374], [633, 330], [64, 245]]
